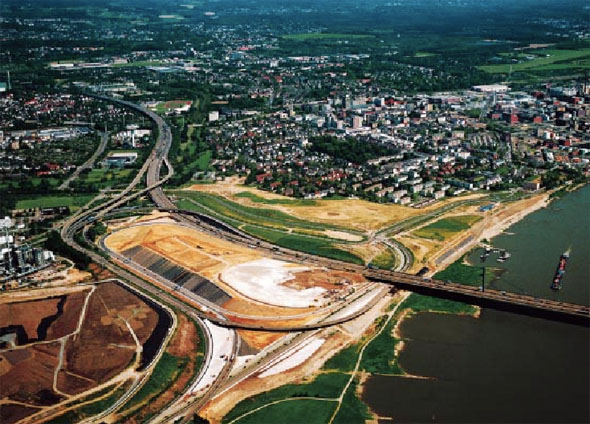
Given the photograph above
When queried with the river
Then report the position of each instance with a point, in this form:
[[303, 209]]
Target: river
[[503, 367]]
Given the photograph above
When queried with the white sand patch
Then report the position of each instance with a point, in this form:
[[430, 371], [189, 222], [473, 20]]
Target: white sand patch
[[293, 358], [262, 280], [222, 343]]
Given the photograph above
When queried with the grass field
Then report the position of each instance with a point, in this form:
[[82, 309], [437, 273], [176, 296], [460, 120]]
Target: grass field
[[420, 303], [547, 60], [307, 411], [344, 360], [74, 202], [379, 356], [385, 260], [458, 272], [203, 161], [447, 227], [324, 36], [96, 176], [352, 214], [303, 244], [328, 385], [314, 245]]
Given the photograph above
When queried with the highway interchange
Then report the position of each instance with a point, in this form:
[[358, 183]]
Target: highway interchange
[[184, 407]]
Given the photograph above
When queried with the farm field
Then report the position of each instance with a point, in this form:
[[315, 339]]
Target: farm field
[[547, 60], [446, 228]]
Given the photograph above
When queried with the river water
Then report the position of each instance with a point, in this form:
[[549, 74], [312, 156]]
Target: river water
[[503, 367]]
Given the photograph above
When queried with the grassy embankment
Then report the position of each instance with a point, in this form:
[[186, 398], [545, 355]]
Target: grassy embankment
[[379, 357], [446, 228], [273, 226]]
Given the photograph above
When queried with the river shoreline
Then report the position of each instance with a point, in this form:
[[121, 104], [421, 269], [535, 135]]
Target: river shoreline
[[492, 226]]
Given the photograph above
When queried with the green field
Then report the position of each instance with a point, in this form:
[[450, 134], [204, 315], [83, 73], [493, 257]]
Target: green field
[[447, 227], [74, 202], [458, 272], [310, 245], [353, 410], [345, 360], [327, 385], [385, 260], [104, 177], [203, 161], [379, 356], [308, 411], [324, 36], [547, 60], [420, 303]]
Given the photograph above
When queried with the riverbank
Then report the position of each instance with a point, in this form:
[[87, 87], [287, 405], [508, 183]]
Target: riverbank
[[488, 228]]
